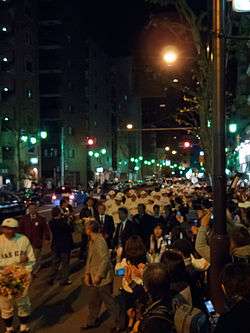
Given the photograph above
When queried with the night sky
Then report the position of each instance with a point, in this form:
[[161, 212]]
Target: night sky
[[116, 24]]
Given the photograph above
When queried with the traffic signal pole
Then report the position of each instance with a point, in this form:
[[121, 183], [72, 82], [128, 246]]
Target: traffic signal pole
[[219, 241]]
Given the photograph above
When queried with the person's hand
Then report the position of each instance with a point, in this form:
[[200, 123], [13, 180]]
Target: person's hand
[[205, 220], [23, 258], [97, 280], [87, 280]]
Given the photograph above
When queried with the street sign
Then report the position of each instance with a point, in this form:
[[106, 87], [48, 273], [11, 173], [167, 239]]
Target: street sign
[[241, 6]]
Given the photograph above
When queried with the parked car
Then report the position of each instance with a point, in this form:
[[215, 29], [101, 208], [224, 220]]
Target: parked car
[[11, 205]]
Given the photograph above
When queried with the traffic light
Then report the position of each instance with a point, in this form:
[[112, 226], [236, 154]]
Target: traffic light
[[187, 144], [90, 141]]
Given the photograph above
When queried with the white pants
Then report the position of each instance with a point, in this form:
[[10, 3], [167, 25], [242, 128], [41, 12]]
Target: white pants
[[7, 306]]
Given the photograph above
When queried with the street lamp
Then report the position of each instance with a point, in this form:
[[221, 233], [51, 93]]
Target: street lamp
[[104, 151], [174, 152], [241, 6], [44, 134], [232, 128], [170, 56], [130, 126], [167, 148], [33, 140]]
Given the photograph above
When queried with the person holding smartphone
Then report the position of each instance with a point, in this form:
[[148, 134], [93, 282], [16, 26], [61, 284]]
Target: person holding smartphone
[[131, 267]]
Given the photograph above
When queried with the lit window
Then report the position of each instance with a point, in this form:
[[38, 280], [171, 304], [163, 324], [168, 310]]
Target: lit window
[[5, 59], [29, 93], [4, 29]]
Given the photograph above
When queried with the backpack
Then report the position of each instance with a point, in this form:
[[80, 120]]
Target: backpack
[[159, 312], [188, 319]]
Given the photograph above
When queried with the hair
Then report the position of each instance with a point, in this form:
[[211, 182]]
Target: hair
[[157, 281], [236, 280], [175, 266], [63, 201], [101, 204], [141, 205], [183, 246], [123, 210], [240, 236], [135, 251], [56, 211], [93, 225]]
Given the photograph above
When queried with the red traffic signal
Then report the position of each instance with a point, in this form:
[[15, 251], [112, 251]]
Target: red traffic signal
[[90, 141], [187, 144]]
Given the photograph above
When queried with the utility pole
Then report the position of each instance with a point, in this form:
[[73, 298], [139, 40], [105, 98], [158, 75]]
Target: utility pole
[[62, 157], [219, 242]]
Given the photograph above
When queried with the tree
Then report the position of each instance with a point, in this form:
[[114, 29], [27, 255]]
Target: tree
[[197, 109]]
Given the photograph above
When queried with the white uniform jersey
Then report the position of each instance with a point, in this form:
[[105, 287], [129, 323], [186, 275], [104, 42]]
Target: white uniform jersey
[[109, 204], [131, 206], [12, 250], [115, 214]]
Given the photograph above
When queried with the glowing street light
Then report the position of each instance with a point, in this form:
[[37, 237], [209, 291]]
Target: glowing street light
[[43, 134], [130, 126], [241, 6], [24, 138], [170, 56], [232, 128], [96, 155], [104, 151], [90, 153], [167, 148], [33, 140], [174, 152]]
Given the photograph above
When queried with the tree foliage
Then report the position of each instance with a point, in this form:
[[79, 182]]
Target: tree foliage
[[197, 109]]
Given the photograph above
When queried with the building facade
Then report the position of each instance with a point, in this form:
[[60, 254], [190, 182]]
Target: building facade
[[64, 112], [19, 92]]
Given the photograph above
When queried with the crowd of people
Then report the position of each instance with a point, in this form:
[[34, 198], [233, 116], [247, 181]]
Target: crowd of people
[[156, 243]]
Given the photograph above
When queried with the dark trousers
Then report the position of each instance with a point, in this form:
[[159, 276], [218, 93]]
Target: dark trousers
[[60, 259], [99, 295]]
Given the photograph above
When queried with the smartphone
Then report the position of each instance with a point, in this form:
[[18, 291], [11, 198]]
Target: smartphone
[[209, 306], [120, 272]]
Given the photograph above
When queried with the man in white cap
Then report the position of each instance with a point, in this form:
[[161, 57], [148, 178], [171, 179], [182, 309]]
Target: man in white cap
[[15, 249], [131, 202], [164, 198], [118, 204], [110, 202], [143, 198]]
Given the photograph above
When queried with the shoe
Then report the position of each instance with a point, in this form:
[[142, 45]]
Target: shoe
[[89, 327], [67, 283]]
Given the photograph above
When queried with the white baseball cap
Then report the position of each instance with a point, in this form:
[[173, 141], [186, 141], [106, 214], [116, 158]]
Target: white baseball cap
[[112, 192], [10, 223], [119, 197]]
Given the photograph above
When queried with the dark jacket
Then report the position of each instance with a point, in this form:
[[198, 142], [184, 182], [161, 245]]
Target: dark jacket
[[121, 237], [145, 224], [35, 229], [87, 212], [157, 318], [236, 320], [62, 240], [107, 228]]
